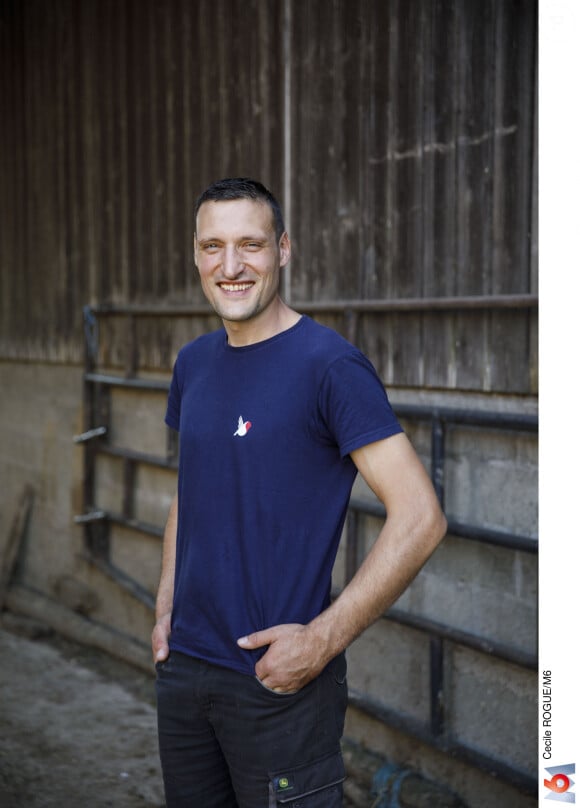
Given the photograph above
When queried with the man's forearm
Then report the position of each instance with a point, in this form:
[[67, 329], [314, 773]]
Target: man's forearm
[[297, 652], [164, 601], [414, 527], [401, 549]]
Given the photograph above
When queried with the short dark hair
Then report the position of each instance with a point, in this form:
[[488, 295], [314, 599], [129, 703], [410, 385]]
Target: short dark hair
[[242, 188]]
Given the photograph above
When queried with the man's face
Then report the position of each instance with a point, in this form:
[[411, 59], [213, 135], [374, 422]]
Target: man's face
[[239, 258]]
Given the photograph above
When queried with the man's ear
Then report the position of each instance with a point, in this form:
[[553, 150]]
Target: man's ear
[[285, 249]]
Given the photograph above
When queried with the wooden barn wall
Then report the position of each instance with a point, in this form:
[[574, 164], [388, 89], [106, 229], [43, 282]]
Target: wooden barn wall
[[400, 134]]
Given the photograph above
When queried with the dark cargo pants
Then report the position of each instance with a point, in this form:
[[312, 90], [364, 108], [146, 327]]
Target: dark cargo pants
[[226, 741]]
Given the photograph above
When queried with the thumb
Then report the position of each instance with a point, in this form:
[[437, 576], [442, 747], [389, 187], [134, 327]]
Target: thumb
[[162, 653], [257, 639]]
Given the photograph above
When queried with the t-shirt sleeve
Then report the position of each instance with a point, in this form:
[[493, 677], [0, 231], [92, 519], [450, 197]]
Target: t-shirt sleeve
[[353, 405], [174, 399]]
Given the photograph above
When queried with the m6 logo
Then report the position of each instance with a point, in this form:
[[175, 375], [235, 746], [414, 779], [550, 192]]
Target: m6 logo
[[560, 783]]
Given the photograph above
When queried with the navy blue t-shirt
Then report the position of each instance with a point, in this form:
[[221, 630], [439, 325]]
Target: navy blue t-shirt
[[264, 480]]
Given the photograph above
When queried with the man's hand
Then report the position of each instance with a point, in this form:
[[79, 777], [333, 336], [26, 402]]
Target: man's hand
[[294, 658], [160, 638]]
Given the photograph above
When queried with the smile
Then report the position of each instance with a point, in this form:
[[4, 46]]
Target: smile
[[235, 287]]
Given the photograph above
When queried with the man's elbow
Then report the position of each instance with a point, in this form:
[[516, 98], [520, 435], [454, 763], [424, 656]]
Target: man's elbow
[[434, 523], [428, 522]]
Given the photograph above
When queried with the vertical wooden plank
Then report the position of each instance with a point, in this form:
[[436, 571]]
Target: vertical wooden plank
[[407, 151], [369, 212], [122, 113], [407, 179], [516, 34], [150, 167], [474, 171], [206, 96], [440, 148], [439, 255], [136, 37], [302, 61], [187, 159], [122, 148], [475, 124], [168, 268], [265, 89], [10, 188], [389, 236], [65, 300], [89, 123], [76, 245], [377, 336], [301, 142], [514, 156], [28, 198], [102, 78], [345, 88], [237, 105]]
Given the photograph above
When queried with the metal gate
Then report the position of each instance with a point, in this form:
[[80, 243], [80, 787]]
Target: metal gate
[[97, 522]]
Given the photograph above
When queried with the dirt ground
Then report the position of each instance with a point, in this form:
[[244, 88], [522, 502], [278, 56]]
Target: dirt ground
[[77, 727]]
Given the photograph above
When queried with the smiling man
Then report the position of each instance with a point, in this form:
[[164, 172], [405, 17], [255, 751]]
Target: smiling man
[[239, 256], [276, 415]]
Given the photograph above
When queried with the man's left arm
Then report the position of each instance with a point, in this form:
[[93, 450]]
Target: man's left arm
[[414, 527]]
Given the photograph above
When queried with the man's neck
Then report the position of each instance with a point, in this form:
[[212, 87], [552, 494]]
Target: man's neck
[[277, 318]]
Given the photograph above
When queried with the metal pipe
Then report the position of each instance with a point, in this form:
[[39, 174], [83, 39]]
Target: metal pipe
[[507, 653], [436, 669], [499, 538], [92, 516], [483, 645], [438, 458], [524, 422], [121, 381], [90, 434], [410, 726], [465, 303], [351, 556], [129, 478], [127, 582], [139, 457], [135, 524]]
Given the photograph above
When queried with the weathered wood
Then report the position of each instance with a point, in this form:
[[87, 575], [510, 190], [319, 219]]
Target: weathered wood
[[15, 540], [410, 148], [77, 627]]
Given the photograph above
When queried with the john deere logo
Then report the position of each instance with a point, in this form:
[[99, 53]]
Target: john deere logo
[[283, 782]]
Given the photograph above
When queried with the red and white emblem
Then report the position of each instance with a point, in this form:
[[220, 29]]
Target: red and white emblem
[[243, 427]]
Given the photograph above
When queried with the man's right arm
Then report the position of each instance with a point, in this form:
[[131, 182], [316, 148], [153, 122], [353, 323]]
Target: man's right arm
[[164, 602]]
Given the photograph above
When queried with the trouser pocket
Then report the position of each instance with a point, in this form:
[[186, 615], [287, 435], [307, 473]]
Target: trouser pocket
[[314, 785]]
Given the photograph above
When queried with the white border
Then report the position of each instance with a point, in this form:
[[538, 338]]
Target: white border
[[559, 458]]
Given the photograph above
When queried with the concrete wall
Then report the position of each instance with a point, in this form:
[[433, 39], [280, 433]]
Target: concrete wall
[[40, 413], [489, 591], [490, 704]]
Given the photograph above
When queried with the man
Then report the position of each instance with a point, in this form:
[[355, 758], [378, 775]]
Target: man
[[276, 415]]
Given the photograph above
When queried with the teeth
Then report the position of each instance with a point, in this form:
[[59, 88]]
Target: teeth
[[235, 287]]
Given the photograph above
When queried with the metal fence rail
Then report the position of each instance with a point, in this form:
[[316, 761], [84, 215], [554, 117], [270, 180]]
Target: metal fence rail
[[97, 523]]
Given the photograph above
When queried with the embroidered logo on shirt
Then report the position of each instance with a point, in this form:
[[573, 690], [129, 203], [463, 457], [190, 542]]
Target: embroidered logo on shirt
[[243, 427]]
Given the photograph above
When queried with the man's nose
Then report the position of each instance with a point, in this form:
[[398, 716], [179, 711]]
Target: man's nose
[[232, 263]]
